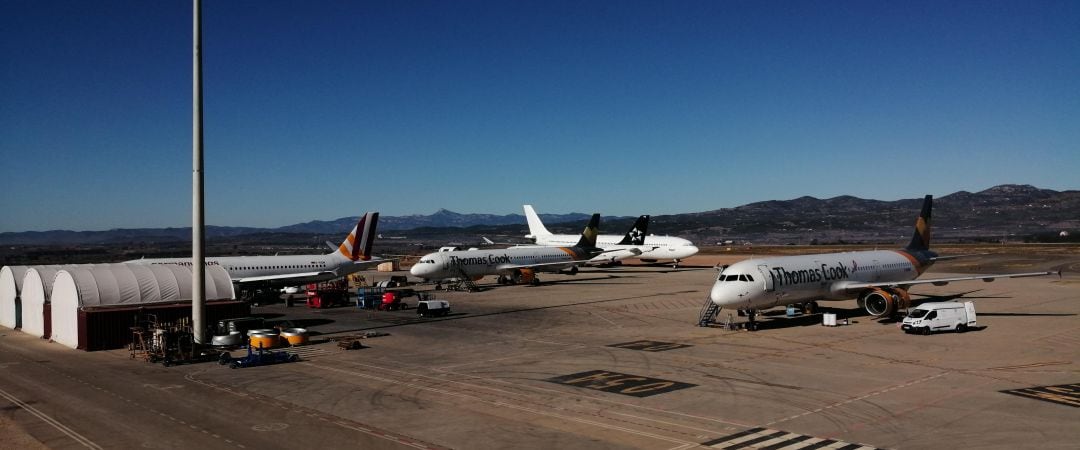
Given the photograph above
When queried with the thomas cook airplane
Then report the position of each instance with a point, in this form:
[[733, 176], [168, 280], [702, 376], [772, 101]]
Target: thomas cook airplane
[[513, 265], [251, 273], [878, 279], [653, 248]]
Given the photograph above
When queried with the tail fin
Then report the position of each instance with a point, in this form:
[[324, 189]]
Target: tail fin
[[588, 236], [636, 235], [357, 245], [921, 239], [536, 227]]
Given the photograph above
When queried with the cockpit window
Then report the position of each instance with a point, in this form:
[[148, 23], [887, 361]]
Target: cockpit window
[[749, 278]]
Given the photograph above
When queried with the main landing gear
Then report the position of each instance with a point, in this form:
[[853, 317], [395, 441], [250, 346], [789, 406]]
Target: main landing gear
[[511, 280]]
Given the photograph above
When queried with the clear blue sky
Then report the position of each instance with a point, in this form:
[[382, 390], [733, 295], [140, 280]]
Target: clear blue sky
[[326, 109]]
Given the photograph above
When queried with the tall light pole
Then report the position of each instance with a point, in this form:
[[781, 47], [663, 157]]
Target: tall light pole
[[198, 266]]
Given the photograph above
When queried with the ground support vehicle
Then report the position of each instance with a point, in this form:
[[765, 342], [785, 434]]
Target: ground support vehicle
[[259, 357], [432, 308], [325, 295], [391, 301], [940, 316]]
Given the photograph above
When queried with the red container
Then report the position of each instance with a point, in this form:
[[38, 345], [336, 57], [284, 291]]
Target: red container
[[389, 298]]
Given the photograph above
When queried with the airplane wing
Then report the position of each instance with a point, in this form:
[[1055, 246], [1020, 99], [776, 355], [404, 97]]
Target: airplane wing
[[285, 277], [636, 251], [854, 287], [942, 258]]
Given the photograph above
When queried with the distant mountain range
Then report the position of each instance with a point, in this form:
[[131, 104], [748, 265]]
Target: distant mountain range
[[1001, 211], [440, 219]]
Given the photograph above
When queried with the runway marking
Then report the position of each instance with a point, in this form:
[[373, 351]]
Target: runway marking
[[497, 403], [855, 399], [769, 439], [401, 439], [605, 319], [620, 383], [544, 390], [1032, 365], [85, 383], [1064, 394], [650, 419], [650, 346], [74, 435]]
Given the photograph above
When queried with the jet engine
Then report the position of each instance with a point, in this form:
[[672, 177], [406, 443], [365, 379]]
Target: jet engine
[[884, 302], [523, 276]]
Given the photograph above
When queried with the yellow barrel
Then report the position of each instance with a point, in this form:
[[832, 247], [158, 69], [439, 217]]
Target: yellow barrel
[[295, 336], [264, 340]]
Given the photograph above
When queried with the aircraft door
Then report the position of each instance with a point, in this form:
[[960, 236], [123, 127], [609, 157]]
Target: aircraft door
[[767, 277]]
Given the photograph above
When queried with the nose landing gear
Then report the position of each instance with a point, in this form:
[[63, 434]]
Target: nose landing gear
[[751, 325]]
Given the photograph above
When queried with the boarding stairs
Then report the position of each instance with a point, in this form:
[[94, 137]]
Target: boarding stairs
[[708, 313], [463, 282]]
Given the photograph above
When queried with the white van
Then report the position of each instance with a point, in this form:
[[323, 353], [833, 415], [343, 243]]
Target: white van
[[939, 316]]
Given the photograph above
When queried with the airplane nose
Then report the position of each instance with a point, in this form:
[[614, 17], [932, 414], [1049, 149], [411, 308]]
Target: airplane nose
[[691, 250], [717, 294], [418, 270]]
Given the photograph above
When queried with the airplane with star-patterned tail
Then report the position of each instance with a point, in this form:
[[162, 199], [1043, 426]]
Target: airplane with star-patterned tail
[[637, 243]]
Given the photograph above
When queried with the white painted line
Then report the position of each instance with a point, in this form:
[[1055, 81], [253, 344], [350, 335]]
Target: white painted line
[[805, 443], [777, 440], [680, 425], [748, 437], [49, 420], [498, 403]]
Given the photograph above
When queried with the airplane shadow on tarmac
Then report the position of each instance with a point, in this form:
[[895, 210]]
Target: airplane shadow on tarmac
[[964, 295], [778, 319], [666, 269], [591, 279], [949, 297]]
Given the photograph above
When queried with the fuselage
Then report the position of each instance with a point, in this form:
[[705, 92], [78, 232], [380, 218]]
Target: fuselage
[[766, 282], [654, 248], [322, 267], [478, 263]]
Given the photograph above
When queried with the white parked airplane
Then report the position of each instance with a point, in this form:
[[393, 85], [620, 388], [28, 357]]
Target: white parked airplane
[[653, 248], [253, 272], [878, 279], [512, 265]]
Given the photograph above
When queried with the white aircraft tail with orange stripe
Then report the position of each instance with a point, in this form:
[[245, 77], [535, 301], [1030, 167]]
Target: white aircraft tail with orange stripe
[[357, 245]]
